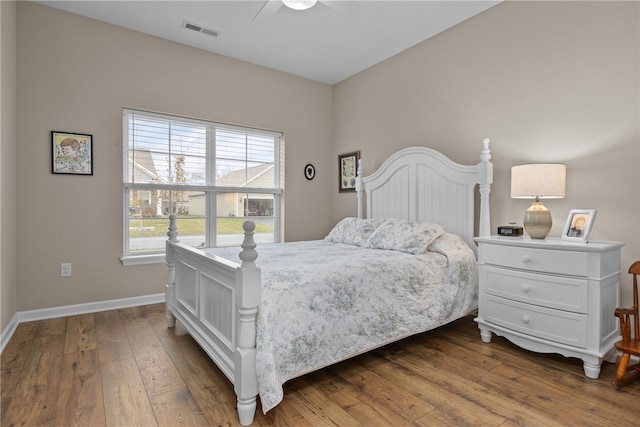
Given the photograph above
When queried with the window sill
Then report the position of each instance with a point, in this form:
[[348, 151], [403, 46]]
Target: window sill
[[143, 259]]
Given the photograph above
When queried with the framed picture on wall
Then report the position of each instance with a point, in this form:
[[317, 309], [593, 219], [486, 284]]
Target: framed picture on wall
[[71, 153], [347, 170], [578, 225]]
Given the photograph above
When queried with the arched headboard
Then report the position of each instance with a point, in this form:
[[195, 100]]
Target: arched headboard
[[421, 184]]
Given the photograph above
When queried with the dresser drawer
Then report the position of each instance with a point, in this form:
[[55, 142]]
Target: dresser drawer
[[572, 263], [562, 293], [548, 324]]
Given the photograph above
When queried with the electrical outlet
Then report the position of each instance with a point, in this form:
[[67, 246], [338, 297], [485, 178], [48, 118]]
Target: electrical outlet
[[65, 269]]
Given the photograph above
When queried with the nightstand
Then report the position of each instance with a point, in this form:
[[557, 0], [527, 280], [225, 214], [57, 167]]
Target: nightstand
[[551, 296]]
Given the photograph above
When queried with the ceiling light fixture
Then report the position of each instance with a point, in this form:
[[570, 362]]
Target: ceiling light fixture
[[299, 4]]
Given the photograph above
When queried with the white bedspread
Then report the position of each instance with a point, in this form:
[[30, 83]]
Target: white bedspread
[[323, 302]]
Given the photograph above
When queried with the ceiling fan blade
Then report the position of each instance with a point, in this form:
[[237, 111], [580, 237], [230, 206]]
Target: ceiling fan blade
[[269, 9], [348, 7]]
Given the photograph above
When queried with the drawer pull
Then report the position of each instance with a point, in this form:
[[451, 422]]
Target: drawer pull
[[526, 289], [525, 319], [526, 259]]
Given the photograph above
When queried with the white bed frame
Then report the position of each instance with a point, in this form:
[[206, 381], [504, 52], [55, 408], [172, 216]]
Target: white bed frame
[[217, 299]]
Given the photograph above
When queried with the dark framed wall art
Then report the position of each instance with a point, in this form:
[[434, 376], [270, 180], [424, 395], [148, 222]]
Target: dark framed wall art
[[71, 153], [347, 170]]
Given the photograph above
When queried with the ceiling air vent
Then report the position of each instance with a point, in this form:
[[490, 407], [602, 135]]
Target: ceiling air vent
[[200, 29]]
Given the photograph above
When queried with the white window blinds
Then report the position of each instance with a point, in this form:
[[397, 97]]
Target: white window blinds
[[170, 150]]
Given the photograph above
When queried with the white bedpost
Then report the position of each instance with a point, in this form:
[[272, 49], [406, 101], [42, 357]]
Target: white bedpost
[[171, 272], [247, 300], [485, 168], [360, 189]]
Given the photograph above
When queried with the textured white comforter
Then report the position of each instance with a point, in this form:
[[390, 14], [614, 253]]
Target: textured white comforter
[[323, 302]]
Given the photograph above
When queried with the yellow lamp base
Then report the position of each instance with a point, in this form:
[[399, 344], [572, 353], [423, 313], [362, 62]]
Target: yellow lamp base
[[537, 221]]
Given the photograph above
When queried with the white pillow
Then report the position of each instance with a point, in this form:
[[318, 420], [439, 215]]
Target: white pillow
[[353, 231], [404, 236]]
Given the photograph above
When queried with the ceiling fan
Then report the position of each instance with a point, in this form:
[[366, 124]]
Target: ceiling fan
[[270, 7]]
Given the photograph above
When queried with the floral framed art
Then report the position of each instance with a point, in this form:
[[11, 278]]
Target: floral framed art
[[71, 153], [347, 171], [578, 225]]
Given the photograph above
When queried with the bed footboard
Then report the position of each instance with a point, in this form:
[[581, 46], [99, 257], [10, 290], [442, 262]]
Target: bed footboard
[[217, 301]]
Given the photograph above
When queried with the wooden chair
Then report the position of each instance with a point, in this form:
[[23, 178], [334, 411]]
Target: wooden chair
[[629, 345]]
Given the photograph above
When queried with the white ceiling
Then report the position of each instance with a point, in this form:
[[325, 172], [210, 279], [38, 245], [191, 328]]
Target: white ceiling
[[329, 42]]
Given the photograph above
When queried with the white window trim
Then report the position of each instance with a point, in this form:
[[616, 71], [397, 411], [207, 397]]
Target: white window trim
[[130, 259]]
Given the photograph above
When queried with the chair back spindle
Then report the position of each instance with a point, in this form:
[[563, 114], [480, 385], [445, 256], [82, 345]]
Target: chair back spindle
[[635, 271]]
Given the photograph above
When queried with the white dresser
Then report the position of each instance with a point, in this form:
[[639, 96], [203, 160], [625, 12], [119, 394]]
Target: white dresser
[[551, 296]]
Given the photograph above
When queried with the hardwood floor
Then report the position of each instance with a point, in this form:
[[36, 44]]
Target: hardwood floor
[[125, 368]]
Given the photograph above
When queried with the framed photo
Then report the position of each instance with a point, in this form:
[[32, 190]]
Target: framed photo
[[71, 153], [309, 171], [347, 170], [579, 224]]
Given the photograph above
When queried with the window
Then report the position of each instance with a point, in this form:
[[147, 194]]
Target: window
[[210, 175]]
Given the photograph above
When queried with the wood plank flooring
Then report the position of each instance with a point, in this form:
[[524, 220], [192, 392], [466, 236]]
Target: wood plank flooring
[[126, 368]]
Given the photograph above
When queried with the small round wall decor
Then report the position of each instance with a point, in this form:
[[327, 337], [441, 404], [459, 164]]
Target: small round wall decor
[[309, 171]]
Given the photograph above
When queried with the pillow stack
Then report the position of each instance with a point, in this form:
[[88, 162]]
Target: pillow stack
[[390, 234]]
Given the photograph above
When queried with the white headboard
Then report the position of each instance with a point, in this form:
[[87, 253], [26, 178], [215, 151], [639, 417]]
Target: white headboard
[[421, 184]]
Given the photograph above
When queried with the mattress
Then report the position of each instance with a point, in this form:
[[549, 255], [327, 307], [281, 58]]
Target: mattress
[[323, 302]]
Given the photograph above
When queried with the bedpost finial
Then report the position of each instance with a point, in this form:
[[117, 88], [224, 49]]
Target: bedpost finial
[[248, 226], [248, 255], [485, 154], [173, 231], [359, 188]]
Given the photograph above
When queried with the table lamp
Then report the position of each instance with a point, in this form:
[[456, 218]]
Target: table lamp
[[538, 181]]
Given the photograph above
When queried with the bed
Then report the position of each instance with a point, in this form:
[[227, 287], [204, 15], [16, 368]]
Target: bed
[[406, 264]]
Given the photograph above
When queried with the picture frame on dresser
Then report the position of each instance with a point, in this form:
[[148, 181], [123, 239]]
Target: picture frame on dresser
[[579, 224]]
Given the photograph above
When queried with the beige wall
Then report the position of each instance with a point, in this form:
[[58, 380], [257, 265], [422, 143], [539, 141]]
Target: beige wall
[[546, 81], [8, 76], [76, 75]]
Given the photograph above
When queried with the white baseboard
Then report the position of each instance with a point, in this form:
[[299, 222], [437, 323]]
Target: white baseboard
[[7, 333], [73, 310]]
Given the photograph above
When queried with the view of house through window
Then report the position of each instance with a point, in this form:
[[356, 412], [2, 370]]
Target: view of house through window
[[212, 176]]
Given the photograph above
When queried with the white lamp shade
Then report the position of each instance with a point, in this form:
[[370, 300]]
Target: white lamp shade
[[299, 4], [538, 180]]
